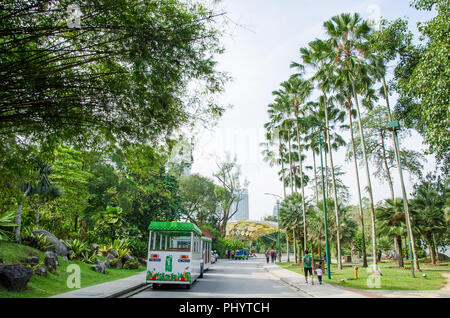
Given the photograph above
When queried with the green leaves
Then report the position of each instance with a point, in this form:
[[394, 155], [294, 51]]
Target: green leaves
[[6, 220]]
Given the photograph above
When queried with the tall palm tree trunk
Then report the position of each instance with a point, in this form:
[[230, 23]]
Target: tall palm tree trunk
[[333, 181], [399, 247], [361, 214], [291, 178], [302, 187], [369, 184], [316, 191], [386, 167], [405, 200]]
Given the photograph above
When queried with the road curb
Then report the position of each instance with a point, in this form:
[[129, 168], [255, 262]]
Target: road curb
[[288, 282], [126, 291]]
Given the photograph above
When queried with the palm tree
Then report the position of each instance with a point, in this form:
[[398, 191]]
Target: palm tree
[[289, 218], [428, 205], [318, 55], [378, 69], [346, 101], [298, 90], [348, 37], [391, 222]]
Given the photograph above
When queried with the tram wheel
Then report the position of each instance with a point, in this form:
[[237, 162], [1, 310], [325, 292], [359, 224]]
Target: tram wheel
[[188, 286]]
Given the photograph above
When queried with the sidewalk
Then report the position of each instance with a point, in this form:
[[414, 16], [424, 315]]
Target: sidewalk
[[107, 290], [315, 291], [332, 291]]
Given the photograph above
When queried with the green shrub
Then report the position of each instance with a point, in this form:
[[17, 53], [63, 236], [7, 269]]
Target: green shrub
[[78, 247], [35, 240], [131, 264], [139, 248]]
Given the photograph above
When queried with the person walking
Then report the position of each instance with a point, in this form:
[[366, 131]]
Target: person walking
[[267, 255], [227, 254], [319, 274], [307, 266], [273, 254]]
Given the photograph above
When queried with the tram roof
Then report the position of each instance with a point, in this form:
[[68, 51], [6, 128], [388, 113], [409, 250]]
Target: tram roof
[[174, 227]]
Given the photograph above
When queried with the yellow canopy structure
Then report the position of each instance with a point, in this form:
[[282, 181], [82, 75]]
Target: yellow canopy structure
[[249, 230]]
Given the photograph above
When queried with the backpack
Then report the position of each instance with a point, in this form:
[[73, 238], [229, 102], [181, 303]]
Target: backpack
[[308, 260]]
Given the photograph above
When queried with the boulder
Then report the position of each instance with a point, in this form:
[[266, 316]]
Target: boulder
[[94, 248], [100, 268], [114, 253], [127, 258], [53, 255], [41, 271], [57, 245], [143, 261], [33, 260], [110, 258], [15, 277], [50, 263]]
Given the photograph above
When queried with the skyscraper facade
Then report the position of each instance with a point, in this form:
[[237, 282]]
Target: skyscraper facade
[[243, 210]]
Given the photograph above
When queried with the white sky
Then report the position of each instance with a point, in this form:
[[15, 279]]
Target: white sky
[[257, 58]]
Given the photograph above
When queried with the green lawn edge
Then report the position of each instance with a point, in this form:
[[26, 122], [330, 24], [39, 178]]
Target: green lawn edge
[[391, 279], [54, 284]]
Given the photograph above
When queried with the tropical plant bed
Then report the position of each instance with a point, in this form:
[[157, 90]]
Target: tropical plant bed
[[53, 284], [391, 279]]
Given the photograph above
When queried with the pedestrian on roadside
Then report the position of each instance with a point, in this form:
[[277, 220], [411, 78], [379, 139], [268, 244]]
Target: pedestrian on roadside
[[307, 266], [319, 274], [273, 254], [232, 254], [227, 253], [267, 255]]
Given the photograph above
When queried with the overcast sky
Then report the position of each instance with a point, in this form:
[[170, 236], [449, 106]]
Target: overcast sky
[[258, 55]]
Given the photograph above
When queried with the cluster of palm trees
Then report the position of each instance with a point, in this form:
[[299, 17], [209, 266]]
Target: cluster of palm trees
[[335, 78]]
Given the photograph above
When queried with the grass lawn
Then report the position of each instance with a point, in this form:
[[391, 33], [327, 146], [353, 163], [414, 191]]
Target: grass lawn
[[54, 284], [391, 279]]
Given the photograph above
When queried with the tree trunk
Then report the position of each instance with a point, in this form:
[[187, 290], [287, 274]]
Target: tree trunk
[[388, 173], [287, 248], [295, 246], [361, 214], [316, 189], [405, 199], [432, 251], [302, 187], [399, 252], [333, 181], [369, 184], [291, 178], [18, 222]]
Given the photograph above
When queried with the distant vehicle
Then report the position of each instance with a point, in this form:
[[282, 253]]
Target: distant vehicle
[[241, 254], [214, 256]]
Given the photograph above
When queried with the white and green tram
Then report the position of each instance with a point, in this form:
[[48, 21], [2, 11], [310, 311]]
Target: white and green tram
[[175, 253], [207, 252]]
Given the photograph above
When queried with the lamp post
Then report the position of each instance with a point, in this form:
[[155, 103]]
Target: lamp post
[[278, 233], [394, 126]]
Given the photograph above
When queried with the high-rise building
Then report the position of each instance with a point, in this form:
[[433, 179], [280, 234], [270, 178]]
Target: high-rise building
[[243, 210], [276, 209]]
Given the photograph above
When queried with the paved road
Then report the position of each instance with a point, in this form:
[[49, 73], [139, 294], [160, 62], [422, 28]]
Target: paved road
[[230, 279]]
